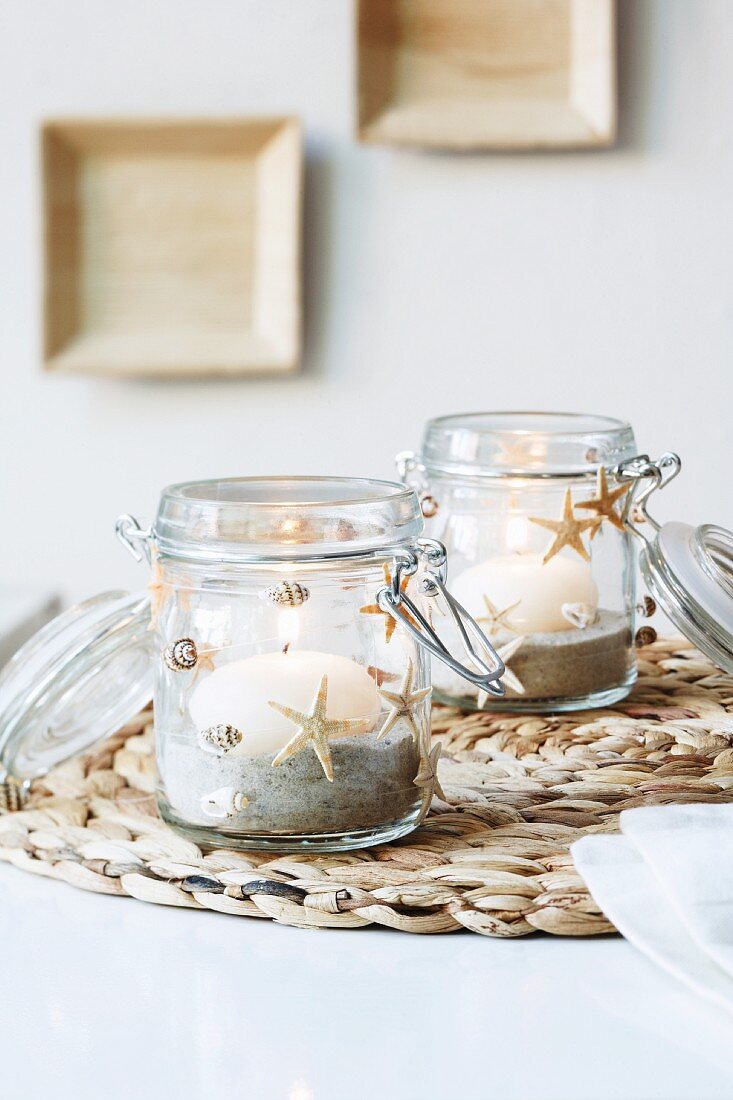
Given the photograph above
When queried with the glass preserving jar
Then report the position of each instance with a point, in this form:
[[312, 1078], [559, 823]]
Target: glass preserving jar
[[292, 687], [337, 573], [532, 514]]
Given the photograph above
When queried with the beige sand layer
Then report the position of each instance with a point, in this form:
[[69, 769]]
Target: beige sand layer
[[373, 785], [566, 664]]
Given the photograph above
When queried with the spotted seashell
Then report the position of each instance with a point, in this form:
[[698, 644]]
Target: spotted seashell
[[12, 796], [646, 607], [580, 615], [288, 593], [181, 655], [645, 635], [429, 506], [224, 802], [220, 738]]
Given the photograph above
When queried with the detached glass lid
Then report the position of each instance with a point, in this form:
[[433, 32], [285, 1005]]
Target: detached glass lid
[[689, 570], [76, 682]]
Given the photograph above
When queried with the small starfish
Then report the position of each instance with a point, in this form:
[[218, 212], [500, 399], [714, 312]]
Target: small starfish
[[603, 502], [160, 592], [402, 704], [427, 780], [158, 589], [496, 618], [509, 679], [314, 729], [431, 608], [596, 521], [184, 598], [514, 453], [567, 530], [380, 675], [375, 609]]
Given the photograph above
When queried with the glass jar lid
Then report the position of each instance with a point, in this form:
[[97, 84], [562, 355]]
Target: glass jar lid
[[285, 518], [525, 444], [76, 682], [689, 571]]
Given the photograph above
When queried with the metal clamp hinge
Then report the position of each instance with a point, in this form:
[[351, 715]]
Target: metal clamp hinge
[[486, 667], [647, 476], [133, 537]]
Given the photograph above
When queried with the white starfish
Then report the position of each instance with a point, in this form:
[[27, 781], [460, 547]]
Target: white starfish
[[314, 729], [510, 679], [497, 618], [158, 589], [427, 780], [402, 704]]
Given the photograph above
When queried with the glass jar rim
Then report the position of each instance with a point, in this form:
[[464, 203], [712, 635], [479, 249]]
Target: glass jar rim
[[285, 518], [369, 490], [525, 443]]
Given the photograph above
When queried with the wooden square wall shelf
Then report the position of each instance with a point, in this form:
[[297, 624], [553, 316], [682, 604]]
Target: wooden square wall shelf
[[172, 247], [486, 74]]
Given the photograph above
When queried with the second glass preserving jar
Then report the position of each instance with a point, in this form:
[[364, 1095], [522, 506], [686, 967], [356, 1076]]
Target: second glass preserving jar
[[533, 518]]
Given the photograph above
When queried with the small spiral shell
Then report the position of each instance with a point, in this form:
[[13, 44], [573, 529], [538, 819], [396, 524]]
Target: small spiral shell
[[646, 607], [288, 594], [224, 802], [220, 738], [181, 655], [429, 506], [12, 796], [645, 635], [580, 615]]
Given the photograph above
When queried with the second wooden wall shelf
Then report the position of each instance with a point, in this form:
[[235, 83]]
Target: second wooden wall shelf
[[172, 247], [486, 74]]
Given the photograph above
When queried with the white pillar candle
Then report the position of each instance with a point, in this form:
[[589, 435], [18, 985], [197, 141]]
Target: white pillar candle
[[540, 590], [239, 693]]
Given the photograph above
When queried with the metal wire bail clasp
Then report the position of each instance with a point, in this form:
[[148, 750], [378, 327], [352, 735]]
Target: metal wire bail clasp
[[488, 665], [412, 471], [134, 538], [646, 476]]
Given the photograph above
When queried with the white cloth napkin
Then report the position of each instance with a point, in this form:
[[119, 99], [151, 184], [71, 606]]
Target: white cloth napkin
[[667, 885]]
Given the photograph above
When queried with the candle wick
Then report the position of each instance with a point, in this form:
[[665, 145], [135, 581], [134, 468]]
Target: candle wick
[[286, 647]]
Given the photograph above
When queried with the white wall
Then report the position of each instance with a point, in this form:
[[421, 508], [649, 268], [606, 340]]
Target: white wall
[[598, 281]]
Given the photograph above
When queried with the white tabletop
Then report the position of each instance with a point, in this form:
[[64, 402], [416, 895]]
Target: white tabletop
[[111, 998]]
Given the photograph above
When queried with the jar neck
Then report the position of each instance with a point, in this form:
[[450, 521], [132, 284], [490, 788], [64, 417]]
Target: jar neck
[[434, 472], [211, 567]]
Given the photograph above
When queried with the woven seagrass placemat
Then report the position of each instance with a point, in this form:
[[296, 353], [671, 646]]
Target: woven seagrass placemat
[[494, 861]]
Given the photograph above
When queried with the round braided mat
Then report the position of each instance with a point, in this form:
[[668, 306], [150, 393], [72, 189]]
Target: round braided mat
[[494, 861]]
